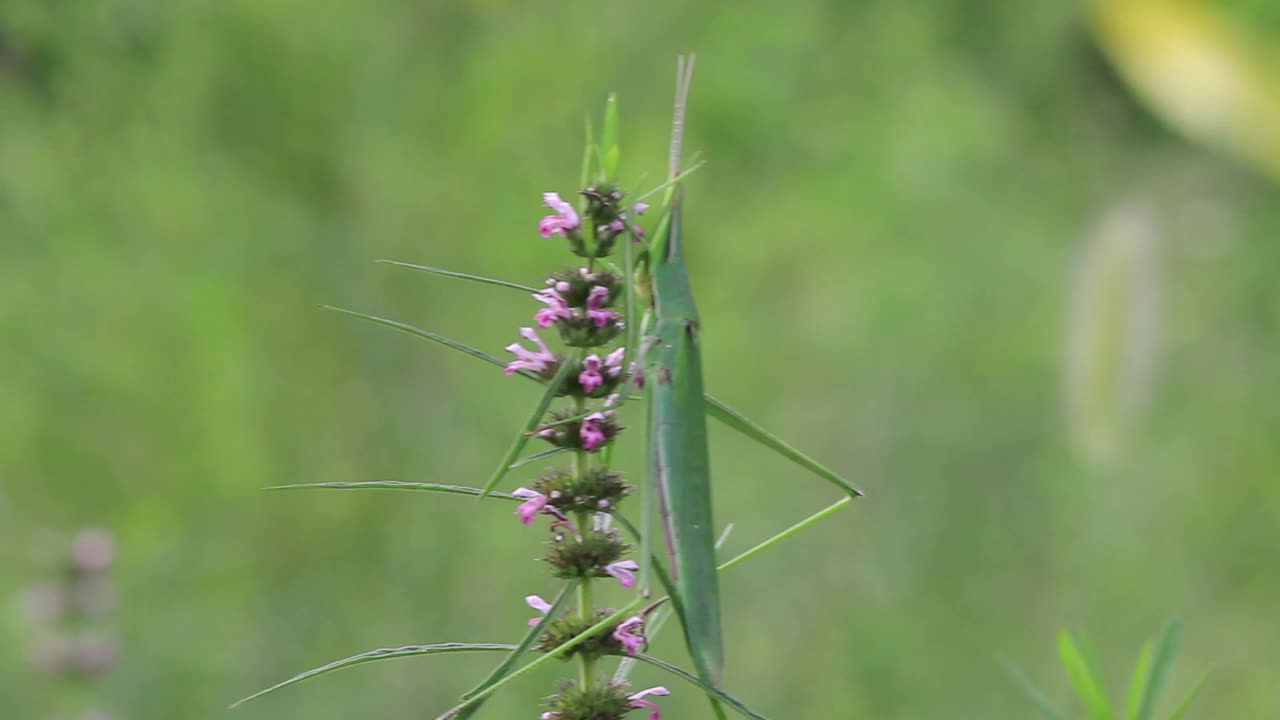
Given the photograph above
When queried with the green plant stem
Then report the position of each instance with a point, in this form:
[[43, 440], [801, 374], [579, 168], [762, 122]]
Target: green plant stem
[[587, 669], [581, 461], [545, 658]]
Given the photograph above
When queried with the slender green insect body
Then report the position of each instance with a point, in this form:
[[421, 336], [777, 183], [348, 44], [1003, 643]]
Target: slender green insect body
[[680, 458]]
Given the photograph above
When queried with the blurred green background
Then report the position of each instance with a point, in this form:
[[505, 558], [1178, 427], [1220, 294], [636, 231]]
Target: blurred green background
[[888, 244]]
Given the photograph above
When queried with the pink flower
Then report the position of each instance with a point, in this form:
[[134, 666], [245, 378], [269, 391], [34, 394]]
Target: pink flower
[[638, 701], [640, 207], [534, 504], [590, 377], [625, 571], [630, 633], [537, 603], [557, 308], [529, 360], [550, 716], [93, 550], [595, 303], [613, 362], [564, 219], [591, 434]]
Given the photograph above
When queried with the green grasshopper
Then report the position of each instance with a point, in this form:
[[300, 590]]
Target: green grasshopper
[[679, 463], [679, 460], [677, 407]]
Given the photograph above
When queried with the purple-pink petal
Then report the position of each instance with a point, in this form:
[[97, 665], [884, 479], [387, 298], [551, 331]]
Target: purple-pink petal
[[527, 359], [624, 570], [596, 298], [591, 434], [537, 603], [638, 701], [623, 633], [601, 317], [565, 219], [532, 506]]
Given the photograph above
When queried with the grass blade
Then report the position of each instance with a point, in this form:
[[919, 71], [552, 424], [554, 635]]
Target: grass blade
[[714, 408], [1084, 678], [710, 690], [391, 485], [534, 458], [462, 276], [454, 344], [746, 426], [526, 642], [1137, 682], [1024, 683], [523, 437], [480, 695], [1191, 696], [380, 654], [1166, 650], [654, 624]]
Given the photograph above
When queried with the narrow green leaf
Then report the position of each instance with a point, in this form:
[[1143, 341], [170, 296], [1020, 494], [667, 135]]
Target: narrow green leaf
[[1166, 651], [454, 344], [1191, 696], [522, 438], [675, 605], [380, 654], [746, 426], [1024, 683], [526, 642], [585, 177], [658, 619], [535, 458], [709, 689], [392, 485], [480, 695], [1137, 682], [609, 141], [1084, 678], [463, 276], [714, 407]]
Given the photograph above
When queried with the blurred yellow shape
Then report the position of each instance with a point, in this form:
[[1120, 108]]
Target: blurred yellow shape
[[1112, 331], [1203, 75]]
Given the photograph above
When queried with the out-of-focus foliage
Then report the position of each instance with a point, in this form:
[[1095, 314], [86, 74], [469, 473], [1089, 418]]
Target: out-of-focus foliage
[[1211, 69], [1146, 682], [883, 244]]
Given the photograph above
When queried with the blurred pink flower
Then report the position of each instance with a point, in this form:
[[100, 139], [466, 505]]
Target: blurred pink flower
[[564, 219], [638, 701]]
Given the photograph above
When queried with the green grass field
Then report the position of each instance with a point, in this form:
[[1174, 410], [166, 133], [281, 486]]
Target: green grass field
[[885, 244]]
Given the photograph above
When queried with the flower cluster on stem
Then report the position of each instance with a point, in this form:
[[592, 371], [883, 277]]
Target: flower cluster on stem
[[580, 306]]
